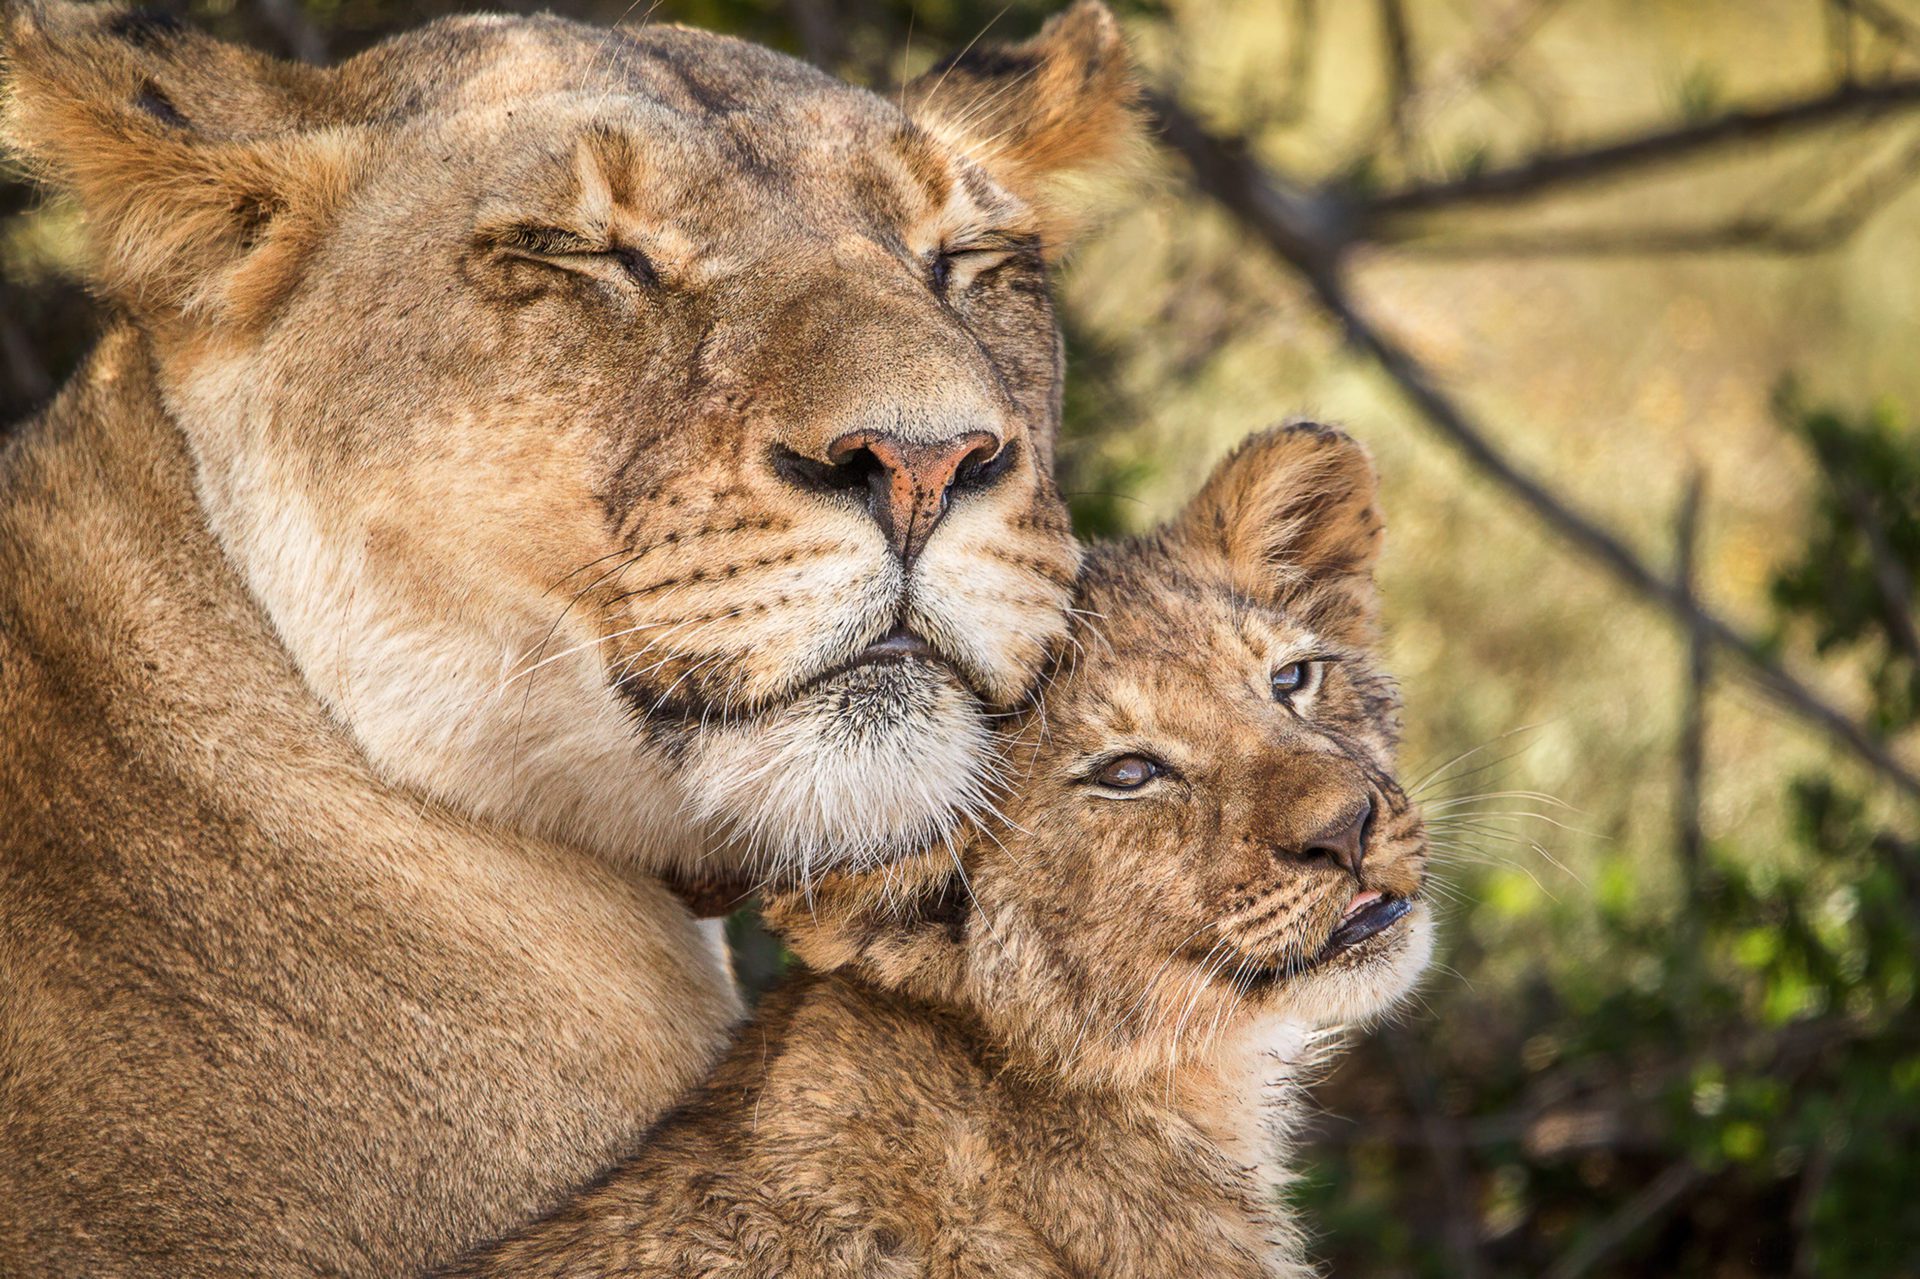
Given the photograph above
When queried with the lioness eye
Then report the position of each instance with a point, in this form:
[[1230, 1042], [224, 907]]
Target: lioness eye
[[1129, 772], [1289, 679], [954, 269]]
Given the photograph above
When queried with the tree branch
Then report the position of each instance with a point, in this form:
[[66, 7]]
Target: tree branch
[[1845, 214], [1547, 174], [1307, 231], [1658, 1198], [1693, 731]]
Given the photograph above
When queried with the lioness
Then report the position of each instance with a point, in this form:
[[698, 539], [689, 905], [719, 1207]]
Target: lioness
[[527, 456], [1069, 1051]]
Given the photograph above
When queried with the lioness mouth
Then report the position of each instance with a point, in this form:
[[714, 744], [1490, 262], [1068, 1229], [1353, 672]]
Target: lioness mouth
[[897, 646]]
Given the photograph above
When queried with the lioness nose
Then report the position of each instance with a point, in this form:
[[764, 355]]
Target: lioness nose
[[1343, 840], [909, 483]]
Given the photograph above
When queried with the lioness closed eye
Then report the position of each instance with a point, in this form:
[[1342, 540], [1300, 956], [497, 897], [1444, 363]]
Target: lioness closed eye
[[1070, 1052]]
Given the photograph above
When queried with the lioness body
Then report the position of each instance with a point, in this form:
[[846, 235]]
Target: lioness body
[[518, 450], [262, 1013], [1071, 1047]]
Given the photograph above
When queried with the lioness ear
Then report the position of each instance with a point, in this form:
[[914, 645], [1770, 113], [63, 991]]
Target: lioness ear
[[199, 186], [1292, 504], [1030, 113]]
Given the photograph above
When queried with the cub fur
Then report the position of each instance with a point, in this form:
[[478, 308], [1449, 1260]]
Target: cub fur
[[480, 502], [1071, 1051]]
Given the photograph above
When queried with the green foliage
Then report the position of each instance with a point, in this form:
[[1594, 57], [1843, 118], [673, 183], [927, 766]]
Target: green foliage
[[1863, 552]]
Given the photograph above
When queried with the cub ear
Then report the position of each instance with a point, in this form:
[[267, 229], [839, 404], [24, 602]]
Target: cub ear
[[1062, 103], [1294, 504], [198, 185]]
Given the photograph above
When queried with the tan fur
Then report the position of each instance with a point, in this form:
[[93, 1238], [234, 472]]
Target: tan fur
[[410, 571], [1073, 1051]]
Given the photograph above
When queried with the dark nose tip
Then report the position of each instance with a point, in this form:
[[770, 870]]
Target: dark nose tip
[[1343, 840], [909, 483]]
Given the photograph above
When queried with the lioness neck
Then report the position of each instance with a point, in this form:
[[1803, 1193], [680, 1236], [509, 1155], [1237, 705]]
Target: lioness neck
[[258, 1009]]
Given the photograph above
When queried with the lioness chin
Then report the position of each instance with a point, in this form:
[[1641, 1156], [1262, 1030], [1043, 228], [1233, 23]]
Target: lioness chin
[[526, 456], [1073, 1048]]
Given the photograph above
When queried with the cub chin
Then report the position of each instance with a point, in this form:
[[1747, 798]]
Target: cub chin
[[1066, 1046]]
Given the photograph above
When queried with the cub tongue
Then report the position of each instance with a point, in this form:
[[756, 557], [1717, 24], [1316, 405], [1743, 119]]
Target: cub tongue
[[1359, 903]]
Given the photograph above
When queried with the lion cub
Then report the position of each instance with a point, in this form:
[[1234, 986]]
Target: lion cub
[[1067, 1049]]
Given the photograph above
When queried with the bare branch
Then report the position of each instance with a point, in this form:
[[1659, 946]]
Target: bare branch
[[1654, 1201], [1549, 174], [1397, 45], [1693, 730], [1751, 234], [1502, 38], [1308, 232], [1887, 23]]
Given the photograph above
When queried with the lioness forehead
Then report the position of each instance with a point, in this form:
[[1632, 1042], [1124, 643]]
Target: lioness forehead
[[478, 61], [662, 120]]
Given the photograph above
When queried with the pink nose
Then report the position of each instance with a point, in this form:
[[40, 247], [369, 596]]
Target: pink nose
[[909, 483]]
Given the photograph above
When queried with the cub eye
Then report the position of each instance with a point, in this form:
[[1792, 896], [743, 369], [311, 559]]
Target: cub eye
[[1129, 772], [940, 271], [1290, 679]]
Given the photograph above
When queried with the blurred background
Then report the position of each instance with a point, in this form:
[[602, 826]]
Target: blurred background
[[1625, 296]]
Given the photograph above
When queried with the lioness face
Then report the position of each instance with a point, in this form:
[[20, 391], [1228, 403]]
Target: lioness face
[[637, 435], [1203, 826]]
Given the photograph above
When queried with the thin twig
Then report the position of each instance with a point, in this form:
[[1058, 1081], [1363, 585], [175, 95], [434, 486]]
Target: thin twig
[[1397, 46], [1656, 1200], [1693, 731], [1499, 41], [1845, 214], [1548, 174]]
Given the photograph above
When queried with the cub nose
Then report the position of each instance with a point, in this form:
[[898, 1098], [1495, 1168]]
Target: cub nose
[[909, 483], [1343, 840]]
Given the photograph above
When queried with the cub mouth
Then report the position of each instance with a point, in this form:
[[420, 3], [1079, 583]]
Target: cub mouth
[[1367, 914]]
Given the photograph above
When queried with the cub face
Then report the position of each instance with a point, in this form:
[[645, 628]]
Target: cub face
[[1203, 825], [635, 435]]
